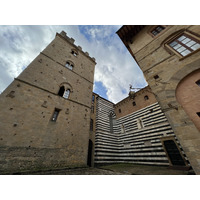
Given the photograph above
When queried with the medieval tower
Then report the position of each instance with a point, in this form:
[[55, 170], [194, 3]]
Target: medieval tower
[[45, 111]]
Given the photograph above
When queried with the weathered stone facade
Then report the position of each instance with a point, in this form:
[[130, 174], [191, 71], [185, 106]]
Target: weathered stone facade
[[30, 137], [164, 69]]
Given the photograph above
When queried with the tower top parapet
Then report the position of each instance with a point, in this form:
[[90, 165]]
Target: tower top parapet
[[71, 40]]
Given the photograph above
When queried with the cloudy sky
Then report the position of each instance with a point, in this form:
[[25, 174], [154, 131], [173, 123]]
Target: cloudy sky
[[115, 68]]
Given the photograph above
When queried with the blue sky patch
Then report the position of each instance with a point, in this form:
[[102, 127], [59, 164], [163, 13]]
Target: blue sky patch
[[100, 89]]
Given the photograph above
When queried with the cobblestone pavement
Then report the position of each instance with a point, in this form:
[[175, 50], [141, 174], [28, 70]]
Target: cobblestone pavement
[[77, 171], [133, 169], [115, 169]]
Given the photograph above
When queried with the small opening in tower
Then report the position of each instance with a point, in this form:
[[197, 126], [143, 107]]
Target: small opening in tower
[[134, 104], [92, 109], [93, 98], [156, 77], [91, 124], [55, 114], [146, 97], [198, 113], [120, 111]]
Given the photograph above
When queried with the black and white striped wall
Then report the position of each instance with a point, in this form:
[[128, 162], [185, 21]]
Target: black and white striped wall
[[134, 138]]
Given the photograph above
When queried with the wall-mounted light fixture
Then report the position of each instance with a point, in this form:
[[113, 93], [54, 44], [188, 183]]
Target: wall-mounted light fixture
[[132, 93]]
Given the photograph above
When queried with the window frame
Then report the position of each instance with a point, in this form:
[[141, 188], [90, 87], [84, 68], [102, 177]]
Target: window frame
[[71, 65], [154, 27], [74, 52], [65, 93], [56, 117], [93, 98], [189, 35]]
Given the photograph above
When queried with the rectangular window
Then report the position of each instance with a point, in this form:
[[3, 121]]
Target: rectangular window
[[66, 94], [157, 30], [93, 97], [92, 109], [55, 115], [184, 44], [91, 124]]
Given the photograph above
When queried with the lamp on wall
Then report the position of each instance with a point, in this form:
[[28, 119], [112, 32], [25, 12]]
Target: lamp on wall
[[131, 94]]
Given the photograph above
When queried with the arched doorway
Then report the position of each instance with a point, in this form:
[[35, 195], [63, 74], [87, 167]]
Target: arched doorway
[[188, 96], [173, 153], [89, 159]]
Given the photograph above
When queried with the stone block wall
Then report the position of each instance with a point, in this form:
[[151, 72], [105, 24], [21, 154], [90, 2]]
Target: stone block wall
[[164, 69], [29, 139]]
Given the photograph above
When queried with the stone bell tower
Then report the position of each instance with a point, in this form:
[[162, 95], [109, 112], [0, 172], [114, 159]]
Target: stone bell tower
[[45, 111]]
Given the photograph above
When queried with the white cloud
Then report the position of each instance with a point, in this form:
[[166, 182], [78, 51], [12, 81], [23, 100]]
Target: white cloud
[[115, 67]]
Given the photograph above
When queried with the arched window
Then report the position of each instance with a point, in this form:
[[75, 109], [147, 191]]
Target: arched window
[[69, 65], [74, 52], [61, 91], [64, 92]]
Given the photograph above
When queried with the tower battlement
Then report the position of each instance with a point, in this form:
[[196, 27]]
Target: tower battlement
[[72, 40]]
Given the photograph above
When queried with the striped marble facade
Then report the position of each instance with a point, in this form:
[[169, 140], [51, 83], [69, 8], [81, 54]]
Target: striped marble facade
[[134, 138]]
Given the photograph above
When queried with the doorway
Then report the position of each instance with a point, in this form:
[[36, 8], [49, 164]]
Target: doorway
[[89, 160], [173, 153]]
